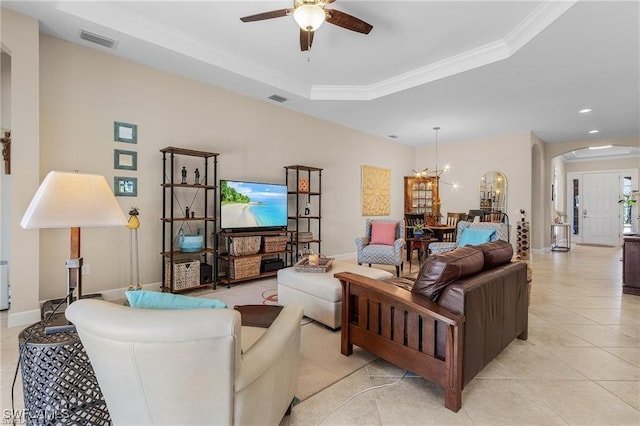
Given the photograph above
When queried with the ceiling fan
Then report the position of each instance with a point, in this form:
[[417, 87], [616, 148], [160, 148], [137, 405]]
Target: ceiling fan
[[309, 15]]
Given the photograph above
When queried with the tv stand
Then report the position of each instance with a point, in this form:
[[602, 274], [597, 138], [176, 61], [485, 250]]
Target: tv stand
[[245, 266]]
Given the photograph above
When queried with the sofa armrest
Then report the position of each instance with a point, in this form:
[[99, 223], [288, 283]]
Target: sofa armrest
[[362, 242], [400, 327], [398, 245], [396, 294], [278, 339]]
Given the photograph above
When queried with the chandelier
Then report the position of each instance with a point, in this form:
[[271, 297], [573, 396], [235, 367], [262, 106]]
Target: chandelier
[[437, 172]]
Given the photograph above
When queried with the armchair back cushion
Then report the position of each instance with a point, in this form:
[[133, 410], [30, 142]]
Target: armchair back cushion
[[440, 270]]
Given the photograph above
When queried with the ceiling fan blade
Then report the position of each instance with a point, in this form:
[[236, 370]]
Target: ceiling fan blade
[[347, 21], [306, 39], [266, 15]]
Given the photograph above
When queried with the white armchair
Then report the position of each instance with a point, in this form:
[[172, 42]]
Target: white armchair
[[190, 366]]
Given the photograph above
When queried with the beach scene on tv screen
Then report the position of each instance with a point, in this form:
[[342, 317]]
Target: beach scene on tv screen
[[252, 205]]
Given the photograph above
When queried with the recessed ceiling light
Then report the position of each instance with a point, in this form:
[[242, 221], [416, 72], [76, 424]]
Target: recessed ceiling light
[[600, 147], [594, 131], [584, 111]]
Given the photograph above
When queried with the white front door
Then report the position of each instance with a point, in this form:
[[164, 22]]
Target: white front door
[[600, 208]]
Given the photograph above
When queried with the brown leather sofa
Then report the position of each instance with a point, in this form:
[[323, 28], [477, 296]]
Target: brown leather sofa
[[463, 309]]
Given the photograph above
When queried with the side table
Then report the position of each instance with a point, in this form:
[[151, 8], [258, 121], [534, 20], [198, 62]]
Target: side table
[[560, 237], [59, 384]]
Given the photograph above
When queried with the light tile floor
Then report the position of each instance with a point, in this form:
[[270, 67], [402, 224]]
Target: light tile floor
[[580, 365]]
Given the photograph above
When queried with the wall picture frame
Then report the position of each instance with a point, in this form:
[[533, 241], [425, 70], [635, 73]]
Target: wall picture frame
[[376, 190], [125, 160], [125, 132], [125, 186]]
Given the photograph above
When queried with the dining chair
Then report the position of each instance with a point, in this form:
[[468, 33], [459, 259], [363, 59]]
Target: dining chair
[[452, 220]]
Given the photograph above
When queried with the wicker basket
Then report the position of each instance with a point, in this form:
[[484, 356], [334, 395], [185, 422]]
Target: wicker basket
[[244, 267], [274, 244], [304, 237], [242, 246], [185, 274]]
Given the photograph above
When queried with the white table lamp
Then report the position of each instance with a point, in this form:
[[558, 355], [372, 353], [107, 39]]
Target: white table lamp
[[73, 200]]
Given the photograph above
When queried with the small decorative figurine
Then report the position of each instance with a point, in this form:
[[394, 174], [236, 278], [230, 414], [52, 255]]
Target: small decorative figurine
[[193, 215], [307, 209], [197, 172], [186, 212], [184, 175]]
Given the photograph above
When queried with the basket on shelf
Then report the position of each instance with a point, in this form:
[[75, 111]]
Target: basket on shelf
[[242, 246], [274, 243], [244, 267], [304, 237], [185, 274]]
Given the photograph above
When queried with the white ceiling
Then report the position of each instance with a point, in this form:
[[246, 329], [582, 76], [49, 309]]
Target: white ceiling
[[474, 68]]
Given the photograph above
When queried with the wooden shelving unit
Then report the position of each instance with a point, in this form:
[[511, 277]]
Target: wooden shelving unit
[[304, 190], [178, 199]]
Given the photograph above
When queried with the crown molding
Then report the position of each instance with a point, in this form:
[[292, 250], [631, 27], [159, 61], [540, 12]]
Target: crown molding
[[117, 18], [539, 19]]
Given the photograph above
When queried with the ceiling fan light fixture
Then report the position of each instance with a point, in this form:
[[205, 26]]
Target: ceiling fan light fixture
[[309, 16]]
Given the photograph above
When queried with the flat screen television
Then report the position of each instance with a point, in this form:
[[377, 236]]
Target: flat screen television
[[252, 205]]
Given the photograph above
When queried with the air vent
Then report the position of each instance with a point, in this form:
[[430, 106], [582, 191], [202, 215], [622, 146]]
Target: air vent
[[278, 98], [98, 39]]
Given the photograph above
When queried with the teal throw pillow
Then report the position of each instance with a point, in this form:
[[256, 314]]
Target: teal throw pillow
[[156, 300], [475, 237]]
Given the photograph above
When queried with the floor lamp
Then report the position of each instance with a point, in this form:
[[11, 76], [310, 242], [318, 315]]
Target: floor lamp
[[73, 200]]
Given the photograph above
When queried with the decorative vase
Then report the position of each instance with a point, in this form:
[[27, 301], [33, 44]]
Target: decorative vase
[[303, 185]]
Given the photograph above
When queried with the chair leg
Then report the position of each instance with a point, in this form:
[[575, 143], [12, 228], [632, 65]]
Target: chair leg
[[397, 270], [359, 263], [369, 265]]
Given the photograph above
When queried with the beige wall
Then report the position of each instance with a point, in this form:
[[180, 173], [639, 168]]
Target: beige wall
[[471, 159], [20, 39], [83, 91]]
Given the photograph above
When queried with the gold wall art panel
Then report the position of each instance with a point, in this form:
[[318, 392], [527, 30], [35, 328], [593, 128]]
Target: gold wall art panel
[[376, 183]]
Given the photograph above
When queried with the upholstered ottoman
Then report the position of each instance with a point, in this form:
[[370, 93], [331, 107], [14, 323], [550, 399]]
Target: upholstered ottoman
[[320, 293]]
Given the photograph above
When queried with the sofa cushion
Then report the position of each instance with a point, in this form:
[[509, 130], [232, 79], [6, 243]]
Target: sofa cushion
[[383, 233], [496, 253], [475, 236], [440, 270], [156, 300]]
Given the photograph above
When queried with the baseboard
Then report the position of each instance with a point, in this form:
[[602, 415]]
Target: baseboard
[[23, 318], [345, 256]]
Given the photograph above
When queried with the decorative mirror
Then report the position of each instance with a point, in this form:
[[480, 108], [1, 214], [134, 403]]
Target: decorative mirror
[[493, 192]]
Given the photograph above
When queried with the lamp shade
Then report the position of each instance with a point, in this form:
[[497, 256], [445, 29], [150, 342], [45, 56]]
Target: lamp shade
[[309, 16], [68, 200]]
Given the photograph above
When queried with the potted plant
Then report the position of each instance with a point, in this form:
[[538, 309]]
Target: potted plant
[[629, 200], [418, 230]]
